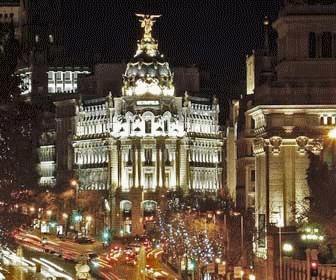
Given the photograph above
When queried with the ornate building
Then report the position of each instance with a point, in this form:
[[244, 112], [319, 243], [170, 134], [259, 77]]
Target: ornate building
[[289, 110], [140, 145]]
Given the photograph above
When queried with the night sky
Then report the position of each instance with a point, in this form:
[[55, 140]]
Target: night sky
[[215, 35]]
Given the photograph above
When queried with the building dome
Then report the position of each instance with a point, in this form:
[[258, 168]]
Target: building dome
[[148, 72]]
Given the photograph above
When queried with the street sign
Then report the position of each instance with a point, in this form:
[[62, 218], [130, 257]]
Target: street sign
[[221, 269], [238, 272], [211, 268]]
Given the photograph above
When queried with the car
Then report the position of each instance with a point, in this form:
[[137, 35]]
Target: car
[[92, 256], [84, 240]]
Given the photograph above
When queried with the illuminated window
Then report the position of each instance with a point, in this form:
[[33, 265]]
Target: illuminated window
[[148, 156], [59, 76], [149, 181], [67, 76], [50, 76], [167, 180], [148, 126], [130, 180]]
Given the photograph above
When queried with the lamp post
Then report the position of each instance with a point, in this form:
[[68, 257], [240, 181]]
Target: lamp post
[[74, 184], [241, 232]]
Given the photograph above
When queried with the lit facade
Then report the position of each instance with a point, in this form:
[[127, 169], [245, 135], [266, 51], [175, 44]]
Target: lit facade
[[141, 144], [289, 110]]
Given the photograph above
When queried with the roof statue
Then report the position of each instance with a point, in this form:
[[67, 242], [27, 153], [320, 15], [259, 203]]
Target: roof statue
[[147, 44], [147, 22], [148, 72]]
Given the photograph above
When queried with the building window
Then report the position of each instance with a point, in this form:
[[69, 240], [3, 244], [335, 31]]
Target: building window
[[148, 156], [312, 45], [322, 121], [329, 121], [130, 127], [252, 175], [59, 76], [166, 156], [322, 45], [148, 126], [67, 76], [75, 75], [148, 181], [130, 180], [50, 76], [130, 157], [167, 180], [165, 126], [326, 45]]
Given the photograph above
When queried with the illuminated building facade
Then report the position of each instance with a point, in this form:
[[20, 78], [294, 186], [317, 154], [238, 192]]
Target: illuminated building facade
[[139, 145], [288, 110]]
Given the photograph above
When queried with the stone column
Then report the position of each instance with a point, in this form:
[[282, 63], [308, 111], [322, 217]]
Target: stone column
[[184, 176], [137, 212]]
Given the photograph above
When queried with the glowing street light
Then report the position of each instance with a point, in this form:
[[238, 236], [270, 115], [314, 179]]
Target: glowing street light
[[287, 247], [73, 183], [65, 215], [49, 212], [312, 235], [252, 277], [89, 219], [32, 209], [332, 134]]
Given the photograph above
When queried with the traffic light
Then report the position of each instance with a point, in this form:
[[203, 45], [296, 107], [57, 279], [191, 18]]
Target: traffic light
[[313, 268]]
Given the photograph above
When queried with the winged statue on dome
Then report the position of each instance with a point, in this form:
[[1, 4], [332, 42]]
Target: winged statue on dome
[[147, 22]]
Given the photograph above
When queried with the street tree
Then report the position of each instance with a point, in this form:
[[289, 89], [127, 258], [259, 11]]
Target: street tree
[[18, 159]]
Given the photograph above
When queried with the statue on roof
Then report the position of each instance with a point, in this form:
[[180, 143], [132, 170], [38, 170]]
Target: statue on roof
[[147, 22]]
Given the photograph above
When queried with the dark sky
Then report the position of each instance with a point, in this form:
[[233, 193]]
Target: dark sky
[[216, 35]]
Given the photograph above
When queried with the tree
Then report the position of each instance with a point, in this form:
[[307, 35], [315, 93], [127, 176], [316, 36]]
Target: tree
[[321, 182], [18, 159]]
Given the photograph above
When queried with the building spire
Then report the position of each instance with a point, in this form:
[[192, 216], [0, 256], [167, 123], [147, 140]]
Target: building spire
[[266, 26], [147, 44]]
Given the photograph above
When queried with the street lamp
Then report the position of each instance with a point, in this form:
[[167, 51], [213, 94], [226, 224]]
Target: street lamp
[[241, 231], [49, 213], [312, 235], [287, 248], [65, 216]]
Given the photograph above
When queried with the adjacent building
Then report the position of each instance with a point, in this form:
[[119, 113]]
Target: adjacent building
[[287, 112]]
